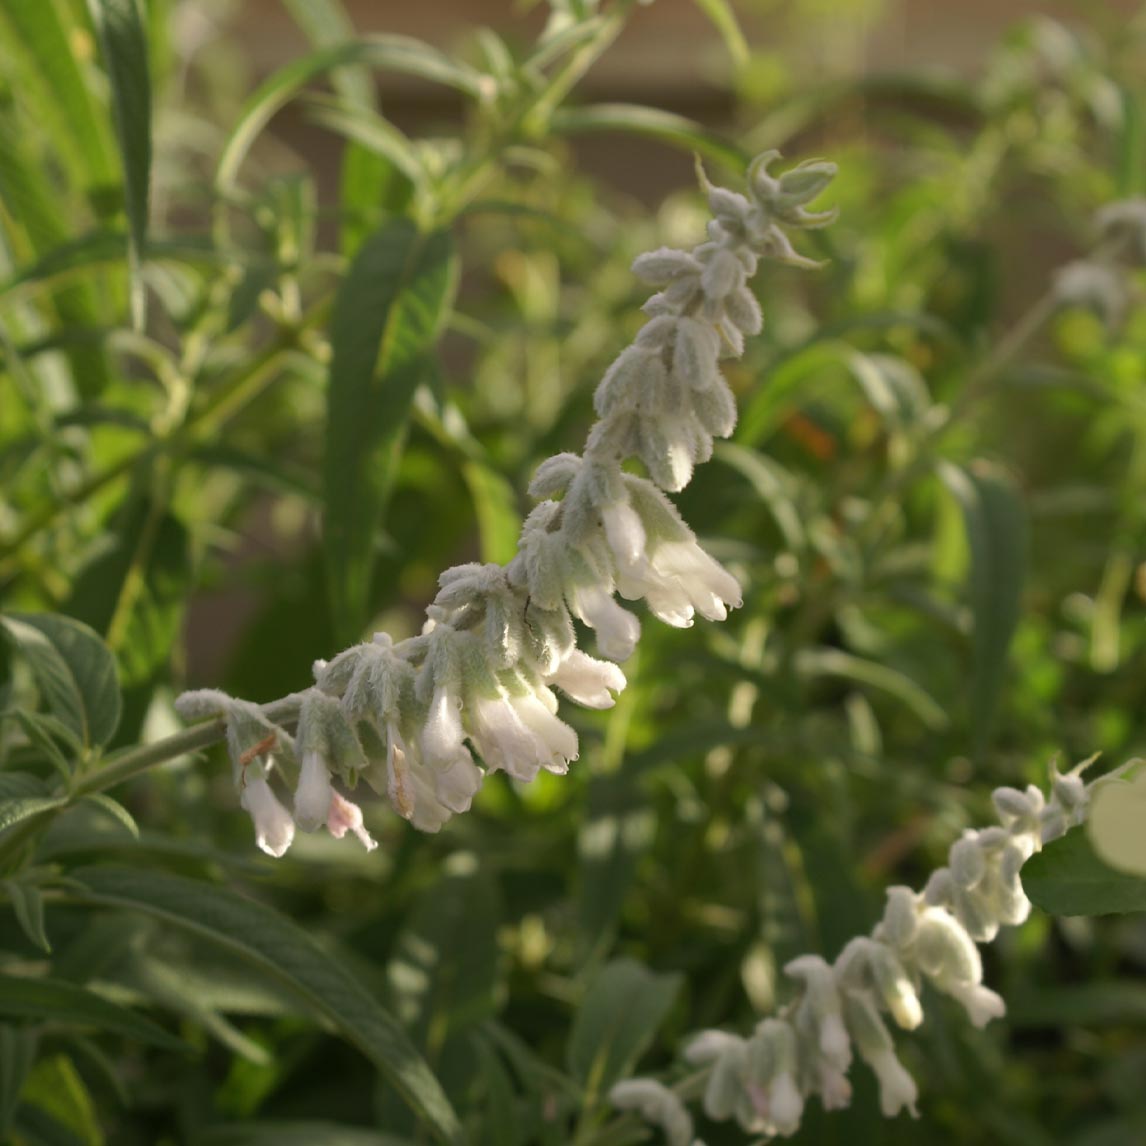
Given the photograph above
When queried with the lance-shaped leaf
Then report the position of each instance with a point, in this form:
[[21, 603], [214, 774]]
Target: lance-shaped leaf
[[281, 949], [386, 319], [995, 520], [123, 42]]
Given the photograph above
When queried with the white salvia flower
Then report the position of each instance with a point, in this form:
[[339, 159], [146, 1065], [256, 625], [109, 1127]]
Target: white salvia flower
[[981, 1002], [588, 681], [656, 1104], [347, 817], [274, 827], [707, 1046], [835, 1089], [616, 628], [785, 1104], [314, 793], [679, 579], [456, 778], [624, 531], [897, 1089]]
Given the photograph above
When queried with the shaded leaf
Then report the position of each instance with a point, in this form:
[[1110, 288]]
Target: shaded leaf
[[284, 950], [1067, 878], [123, 40], [622, 1011], [386, 318], [73, 669]]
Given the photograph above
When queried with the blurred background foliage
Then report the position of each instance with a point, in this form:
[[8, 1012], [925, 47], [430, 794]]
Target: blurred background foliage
[[940, 526]]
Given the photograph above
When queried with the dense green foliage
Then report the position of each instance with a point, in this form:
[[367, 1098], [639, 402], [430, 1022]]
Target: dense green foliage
[[241, 425]]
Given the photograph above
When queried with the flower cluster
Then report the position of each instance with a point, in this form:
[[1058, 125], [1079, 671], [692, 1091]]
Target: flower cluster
[[850, 1006], [422, 721]]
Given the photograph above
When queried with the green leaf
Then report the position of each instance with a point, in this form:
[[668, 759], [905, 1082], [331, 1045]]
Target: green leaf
[[28, 906], [55, 1089], [13, 812], [123, 40], [114, 809], [836, 662], [61, 96], [724, 21], [375, 133], [664, 126], [42, 731], [495, 505], [386, 318], [134, 590], [622, 1011], [73, 669], [17, 1053], [618, 829], [284, 950], [995, 521], [1067, 878], [396, 53], [443, 975], [294, 1133], [58, 1001]]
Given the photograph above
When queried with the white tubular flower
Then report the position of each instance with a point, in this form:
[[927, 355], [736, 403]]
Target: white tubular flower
[[897, 1089], [312, 797], [785, 1104], [656, 1104], [456, 778], [588, 681], [616, 628], [520, 734], [679, 579], [346, 816], [624, 532], [274, 827]]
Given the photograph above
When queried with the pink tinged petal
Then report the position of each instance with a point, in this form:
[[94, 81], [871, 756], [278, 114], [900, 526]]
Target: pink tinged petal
[[835, 1090], [313, 795], [274, 827], [397, 774], [347, 817], [588, 681], [624, 532]]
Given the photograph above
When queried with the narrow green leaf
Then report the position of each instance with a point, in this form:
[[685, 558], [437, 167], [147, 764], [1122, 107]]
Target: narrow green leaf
[[618, 829], [1067, 878], [55, 1089], [495, 505], [836, 662], [622, 1011], [114, 809], [665, 126], [123, 40], [373, 132], [17, 1053], [386, 319], [42, 730], [63, 1002], [996, 525], [724, 20], [61, 96], [395, 53], [28, 906], [284, 950], [294, 1133], [13, 812], [74, 670]]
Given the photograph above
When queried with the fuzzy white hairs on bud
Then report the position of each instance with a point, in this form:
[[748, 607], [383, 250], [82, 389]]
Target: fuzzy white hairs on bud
[[806, 1049], [409, 717]]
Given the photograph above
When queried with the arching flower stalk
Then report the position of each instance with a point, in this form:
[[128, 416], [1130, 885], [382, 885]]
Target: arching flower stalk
[[424, 720], [850, 1007]]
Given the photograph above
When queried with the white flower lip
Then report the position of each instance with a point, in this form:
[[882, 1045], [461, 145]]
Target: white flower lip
[[274, 826]]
